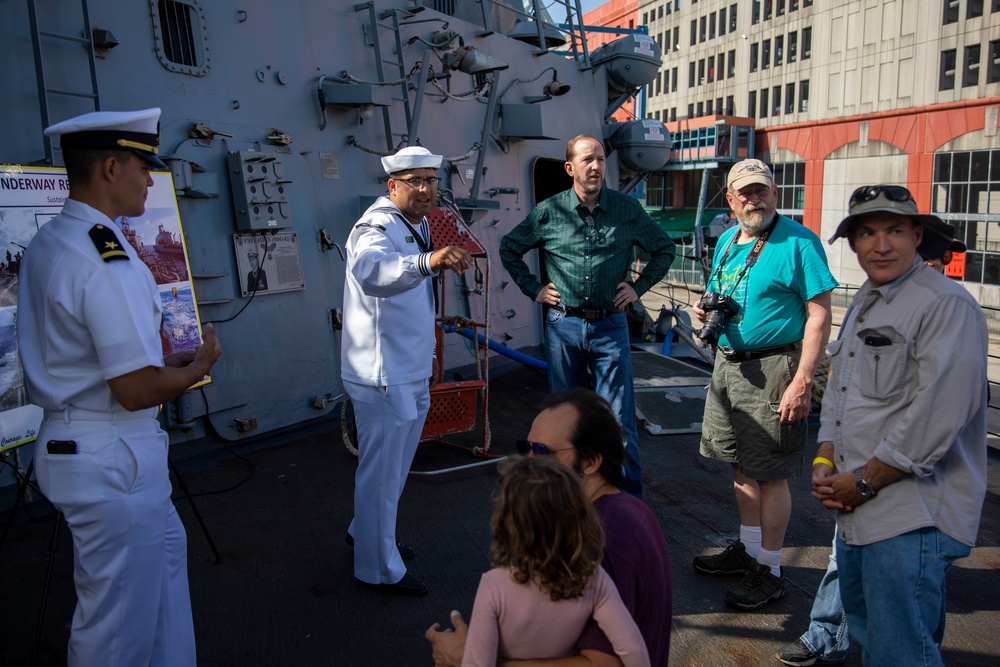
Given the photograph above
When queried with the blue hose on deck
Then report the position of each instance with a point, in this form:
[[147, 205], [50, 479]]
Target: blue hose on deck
[[501, 348]]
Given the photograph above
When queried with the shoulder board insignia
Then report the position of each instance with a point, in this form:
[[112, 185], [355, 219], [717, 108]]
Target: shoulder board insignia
[[371, 224], [107, 244]]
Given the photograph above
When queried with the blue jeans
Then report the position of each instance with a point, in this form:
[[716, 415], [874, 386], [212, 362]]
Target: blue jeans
[[595, 354], [827, 634], [894, 592]]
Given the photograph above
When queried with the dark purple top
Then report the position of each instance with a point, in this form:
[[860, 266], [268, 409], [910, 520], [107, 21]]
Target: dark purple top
[[638, 559]]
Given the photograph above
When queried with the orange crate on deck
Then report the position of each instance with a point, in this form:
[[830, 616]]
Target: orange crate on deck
[[453, 408]]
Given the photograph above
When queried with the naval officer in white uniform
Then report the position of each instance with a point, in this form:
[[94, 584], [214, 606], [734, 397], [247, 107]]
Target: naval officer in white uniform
[[387, 356], [88, 318]]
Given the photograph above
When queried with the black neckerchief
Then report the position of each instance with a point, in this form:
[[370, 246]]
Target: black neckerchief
[[424, 246]]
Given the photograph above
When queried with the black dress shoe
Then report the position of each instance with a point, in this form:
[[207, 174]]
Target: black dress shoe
[[406, 552], [408, 585]]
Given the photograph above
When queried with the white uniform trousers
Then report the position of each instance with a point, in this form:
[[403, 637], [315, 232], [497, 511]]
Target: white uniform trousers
[[129, 546], [389, 420]]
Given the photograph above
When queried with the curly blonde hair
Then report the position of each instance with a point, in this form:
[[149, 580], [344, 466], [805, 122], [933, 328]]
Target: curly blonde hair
[[544, 528]]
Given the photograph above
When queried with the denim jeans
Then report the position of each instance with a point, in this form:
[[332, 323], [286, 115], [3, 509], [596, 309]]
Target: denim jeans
[[827, 634], [894, 594], [595, 354]]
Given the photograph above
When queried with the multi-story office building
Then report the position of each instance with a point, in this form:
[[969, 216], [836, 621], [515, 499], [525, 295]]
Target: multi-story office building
[[840, 94]]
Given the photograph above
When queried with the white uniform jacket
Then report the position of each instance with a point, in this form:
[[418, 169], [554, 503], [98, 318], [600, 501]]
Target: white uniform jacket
[[388, 301], [83, 321]]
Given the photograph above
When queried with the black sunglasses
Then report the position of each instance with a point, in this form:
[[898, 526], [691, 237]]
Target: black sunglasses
[[870, 192], [524, 447]]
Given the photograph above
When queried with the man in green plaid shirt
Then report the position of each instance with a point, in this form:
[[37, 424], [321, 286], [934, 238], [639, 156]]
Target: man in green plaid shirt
[[586, 237]]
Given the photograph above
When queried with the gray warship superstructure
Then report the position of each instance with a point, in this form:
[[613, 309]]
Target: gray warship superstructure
[[274, 118]]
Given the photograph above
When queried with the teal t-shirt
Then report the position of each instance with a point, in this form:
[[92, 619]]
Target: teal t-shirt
[[772, 295]]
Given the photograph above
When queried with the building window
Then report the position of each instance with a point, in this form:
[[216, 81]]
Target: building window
[[970, 73], [776, 95], [718, 105], [767, 9], [701, 72], [730, 106], [764, 109], [993, 66], [951, 11], [661, 11], [765, 54], [677, 37], [966, 194], [694, 32], [645, 18], [711, 69], [666, 42], [181, 36], [789, 98], [732, 64], [711, 25], [793, 5], [752, 104], [946, 79], [691, 79], [804, 95], [701, 29], [708, 107], [755, 12], [690, 111], [793, 39], [974, 9], [779, 47], [722, 22], [732, 17], [781, 8], [807, 3], [790, 178], [659, 82], [753, 57], [673, 113], [807, 41], [654, 190], [673, 79], [995, 6]]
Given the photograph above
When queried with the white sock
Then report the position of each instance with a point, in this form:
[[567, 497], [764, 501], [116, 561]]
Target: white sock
[[750, 537], [772, 559]]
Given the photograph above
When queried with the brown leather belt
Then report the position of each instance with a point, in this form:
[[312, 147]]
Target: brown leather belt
[[590, 313], [749, 355]]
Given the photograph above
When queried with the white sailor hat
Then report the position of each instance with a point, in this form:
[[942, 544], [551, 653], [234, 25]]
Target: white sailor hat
[[137, 131], [411, 157]]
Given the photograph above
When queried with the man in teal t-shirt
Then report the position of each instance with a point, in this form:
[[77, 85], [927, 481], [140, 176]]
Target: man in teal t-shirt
[[774, 273]]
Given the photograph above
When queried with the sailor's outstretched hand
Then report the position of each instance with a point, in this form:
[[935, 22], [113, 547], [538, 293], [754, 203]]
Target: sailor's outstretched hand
[[452, 257]]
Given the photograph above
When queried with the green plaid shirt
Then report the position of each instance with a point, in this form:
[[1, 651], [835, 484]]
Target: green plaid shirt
[[587, 261]]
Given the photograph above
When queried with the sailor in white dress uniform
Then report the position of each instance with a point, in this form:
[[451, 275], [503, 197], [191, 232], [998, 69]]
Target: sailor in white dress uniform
[[387, 356], [88, 335]]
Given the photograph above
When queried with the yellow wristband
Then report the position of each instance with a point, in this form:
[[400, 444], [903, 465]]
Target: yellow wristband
[[828, 462]]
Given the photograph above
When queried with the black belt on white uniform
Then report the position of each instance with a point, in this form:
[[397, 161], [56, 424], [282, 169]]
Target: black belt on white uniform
[[590, 313], [748, 355]]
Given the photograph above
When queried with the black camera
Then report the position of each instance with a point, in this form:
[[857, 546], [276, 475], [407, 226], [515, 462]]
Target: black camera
[[720, 308]]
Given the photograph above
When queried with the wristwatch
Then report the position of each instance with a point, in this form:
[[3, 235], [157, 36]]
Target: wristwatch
[[865, 489]]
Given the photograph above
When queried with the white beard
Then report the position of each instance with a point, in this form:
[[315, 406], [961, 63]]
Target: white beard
[[752, 222]]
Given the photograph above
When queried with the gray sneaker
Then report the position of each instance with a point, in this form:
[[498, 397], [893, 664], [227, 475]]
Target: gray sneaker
[[798, 654], [733, 560], [757, 589]]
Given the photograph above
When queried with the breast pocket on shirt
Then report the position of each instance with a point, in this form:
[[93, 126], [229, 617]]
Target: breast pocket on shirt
[[882, 365]]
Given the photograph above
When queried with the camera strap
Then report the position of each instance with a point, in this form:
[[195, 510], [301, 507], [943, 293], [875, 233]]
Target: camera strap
[[752, 257]]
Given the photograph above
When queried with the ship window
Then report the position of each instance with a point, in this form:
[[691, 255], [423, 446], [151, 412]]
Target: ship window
[[181, 36]]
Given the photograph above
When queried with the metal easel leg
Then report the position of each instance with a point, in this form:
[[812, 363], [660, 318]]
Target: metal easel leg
[[18, 501], [53, 546], [197, 515]]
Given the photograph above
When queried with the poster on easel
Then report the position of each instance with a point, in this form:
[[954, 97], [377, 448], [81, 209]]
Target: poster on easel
[[30, 197]]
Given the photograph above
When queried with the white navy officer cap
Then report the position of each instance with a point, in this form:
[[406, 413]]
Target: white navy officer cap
[[137, 131], [411, 157]]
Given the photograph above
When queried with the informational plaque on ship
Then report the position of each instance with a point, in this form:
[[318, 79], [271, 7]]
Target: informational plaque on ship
[[30, 197], [268, 263]]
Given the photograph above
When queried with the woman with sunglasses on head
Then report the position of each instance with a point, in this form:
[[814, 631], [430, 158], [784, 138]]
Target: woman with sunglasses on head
[[546, 580]]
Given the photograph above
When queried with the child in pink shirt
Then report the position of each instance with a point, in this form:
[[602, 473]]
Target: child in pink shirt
[[546, 580]]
